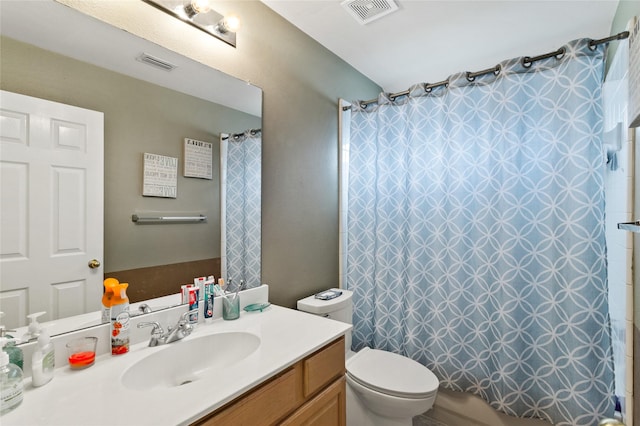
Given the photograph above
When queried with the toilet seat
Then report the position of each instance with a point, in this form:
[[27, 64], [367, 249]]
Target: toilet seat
[[392, 374]]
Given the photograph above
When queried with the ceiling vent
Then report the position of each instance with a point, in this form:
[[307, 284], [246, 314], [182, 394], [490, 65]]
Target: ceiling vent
[[365, 11], [156, 62]]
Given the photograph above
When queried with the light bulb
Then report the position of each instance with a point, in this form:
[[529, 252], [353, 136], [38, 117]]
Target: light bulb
[[201, 6], [194, 7], [230, 23]]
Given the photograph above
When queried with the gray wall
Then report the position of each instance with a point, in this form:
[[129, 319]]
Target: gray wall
[[302, 82], [139, 117]]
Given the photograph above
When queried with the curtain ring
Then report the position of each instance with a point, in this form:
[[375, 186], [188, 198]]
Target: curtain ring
[[526, 62], [561, 53], [592, 45], [469, 77], [497, 70]]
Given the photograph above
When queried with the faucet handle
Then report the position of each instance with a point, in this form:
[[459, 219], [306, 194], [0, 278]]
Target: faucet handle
[[157, 328], [186, 328], [157, 334], [144, 308], [184, 325]]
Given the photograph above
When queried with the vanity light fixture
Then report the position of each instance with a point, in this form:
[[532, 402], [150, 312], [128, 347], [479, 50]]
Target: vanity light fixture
[[198, 13]]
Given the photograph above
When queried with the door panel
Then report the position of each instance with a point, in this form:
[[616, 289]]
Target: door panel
[[51, 207]]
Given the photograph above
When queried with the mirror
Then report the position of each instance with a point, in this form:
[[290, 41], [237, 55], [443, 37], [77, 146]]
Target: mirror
[[74, 59]]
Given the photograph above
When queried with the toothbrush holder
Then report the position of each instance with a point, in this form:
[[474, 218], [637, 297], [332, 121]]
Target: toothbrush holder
[[231, 307]]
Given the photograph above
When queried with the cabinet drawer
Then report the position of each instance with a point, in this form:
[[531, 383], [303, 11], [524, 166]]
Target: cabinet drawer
[[323, 367], [263, 406]]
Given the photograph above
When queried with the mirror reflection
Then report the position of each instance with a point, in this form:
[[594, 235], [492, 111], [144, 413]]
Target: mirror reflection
[[146, 110]]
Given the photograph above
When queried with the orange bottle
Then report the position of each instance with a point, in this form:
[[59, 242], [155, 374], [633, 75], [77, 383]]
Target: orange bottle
[[120, 320], [107, 296]]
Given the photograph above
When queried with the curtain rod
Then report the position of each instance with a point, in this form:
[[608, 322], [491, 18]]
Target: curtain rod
[[527, 61], [253, 132]]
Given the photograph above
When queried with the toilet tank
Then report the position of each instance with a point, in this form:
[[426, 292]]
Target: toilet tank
[[339, 308]]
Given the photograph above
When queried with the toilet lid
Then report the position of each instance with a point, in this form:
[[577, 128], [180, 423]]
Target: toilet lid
[[392, 374]]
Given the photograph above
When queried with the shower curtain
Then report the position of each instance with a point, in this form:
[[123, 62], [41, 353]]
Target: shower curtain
[[475, 235], [241, 157]]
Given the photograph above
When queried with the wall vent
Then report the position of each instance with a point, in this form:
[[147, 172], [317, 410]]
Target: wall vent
[[365, 11], [156, 62]]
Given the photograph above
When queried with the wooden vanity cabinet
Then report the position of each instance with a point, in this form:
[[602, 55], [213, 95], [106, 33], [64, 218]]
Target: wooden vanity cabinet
[[311, 392]]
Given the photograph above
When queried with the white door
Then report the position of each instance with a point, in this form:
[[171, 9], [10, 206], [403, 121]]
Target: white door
[[51, 208]]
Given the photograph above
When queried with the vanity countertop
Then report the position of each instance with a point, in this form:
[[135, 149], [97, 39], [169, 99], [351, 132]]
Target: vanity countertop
[[96, 395]]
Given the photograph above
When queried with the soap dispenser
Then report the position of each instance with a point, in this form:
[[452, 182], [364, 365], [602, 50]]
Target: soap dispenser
[[11, 385], [16, 356], [33, 331], [43, 361]]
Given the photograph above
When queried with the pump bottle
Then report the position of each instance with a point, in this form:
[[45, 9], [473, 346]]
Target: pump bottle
[[16, 356], [43, 361], [11, 385], [33, 331]]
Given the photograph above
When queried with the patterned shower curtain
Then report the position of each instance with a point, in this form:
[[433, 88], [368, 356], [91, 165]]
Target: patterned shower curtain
[[476, 235], [241, 217]]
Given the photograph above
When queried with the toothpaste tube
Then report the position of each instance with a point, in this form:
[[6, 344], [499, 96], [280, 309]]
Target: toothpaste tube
[[199, 282], [208, 297], [194, 293], [184, 292]]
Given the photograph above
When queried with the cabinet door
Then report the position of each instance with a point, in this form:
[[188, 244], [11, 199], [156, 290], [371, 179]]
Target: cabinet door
[[263, 406], [326, 409]]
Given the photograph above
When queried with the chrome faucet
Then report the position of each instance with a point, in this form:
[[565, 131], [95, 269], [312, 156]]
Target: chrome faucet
[[182, 329], [144, 309], [158, 337]]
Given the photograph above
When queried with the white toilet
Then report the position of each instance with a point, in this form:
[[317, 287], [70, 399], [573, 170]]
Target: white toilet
[[383, 388]]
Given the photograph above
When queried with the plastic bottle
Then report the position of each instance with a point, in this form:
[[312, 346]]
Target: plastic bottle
[[16, 356], [11, 385], [43, 362], [109, 285], [120, 320]]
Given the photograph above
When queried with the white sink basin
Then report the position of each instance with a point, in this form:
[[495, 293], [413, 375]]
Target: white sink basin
[[187, 361]]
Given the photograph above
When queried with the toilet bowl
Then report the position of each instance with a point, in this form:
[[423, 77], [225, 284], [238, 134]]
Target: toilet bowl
[[383, 388]]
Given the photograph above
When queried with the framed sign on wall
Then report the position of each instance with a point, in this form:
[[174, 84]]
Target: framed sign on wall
[[198, 159], [160, 178]]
